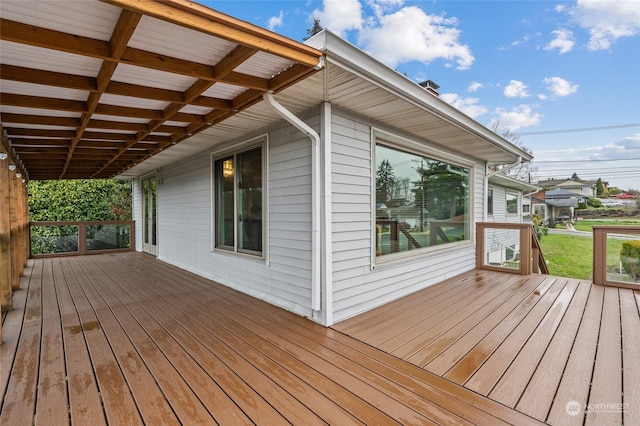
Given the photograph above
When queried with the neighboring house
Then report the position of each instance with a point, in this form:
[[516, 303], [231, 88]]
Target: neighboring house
[[539, 206], [348, 187], [586, 188], [562, 204], [507, 201]]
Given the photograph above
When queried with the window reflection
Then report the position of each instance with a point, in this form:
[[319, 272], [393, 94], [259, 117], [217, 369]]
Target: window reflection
[[420, 201]]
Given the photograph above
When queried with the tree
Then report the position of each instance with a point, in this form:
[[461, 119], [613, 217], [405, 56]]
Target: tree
[[575, 177], [79, 200], [385, 182], [315, 28], [444, 188], [523, 171], [601, 191]]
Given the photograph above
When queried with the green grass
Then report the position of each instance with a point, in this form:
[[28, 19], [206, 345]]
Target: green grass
[[568, 255], [587, 224], [572, 255]]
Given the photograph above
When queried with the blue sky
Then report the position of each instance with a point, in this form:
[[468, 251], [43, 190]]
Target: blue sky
[[562, 75]]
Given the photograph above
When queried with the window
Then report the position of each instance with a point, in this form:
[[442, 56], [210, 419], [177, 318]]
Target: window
[[512, 203], [490, 201], [420, 201], [238, 202]]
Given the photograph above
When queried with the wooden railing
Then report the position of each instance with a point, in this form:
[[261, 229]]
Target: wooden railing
[[509, 247], [611, 265], [48, 239]]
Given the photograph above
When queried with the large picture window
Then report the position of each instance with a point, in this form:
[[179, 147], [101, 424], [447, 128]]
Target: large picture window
[[238, 202], [420, 201]]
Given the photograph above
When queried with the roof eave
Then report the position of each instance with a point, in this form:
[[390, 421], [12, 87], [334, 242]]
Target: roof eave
[[348, 56]]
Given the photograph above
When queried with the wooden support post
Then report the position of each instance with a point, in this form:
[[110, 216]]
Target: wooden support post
[[24, 229], [6, 300], [13, 217]]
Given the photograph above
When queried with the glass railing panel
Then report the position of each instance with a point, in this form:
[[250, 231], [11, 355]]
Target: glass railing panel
[[50, 239], [502, 248], [108, 237]]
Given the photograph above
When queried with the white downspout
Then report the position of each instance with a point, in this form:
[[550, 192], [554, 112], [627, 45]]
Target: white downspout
[[487, 175], [315, 194]]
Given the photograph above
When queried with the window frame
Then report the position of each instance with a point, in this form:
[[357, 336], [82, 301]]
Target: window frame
[[409, 146], [260, 142], [490, 201], [517, 202]]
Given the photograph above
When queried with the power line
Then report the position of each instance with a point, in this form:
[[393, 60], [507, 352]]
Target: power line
[[534, 161], [580, 129]]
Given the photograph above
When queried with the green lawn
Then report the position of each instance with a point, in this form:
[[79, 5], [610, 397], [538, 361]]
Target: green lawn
[[568, 255], [572, 256], [587, 224]]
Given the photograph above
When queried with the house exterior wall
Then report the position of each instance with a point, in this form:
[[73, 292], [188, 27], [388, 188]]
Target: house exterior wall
[[358, 284], [357, 281], [186, 215]]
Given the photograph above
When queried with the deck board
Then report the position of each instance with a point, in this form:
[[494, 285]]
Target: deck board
[[52, 390], [555, 349], [19, 401], [143, 342], [630, 350], [538, 395], [606, 383]]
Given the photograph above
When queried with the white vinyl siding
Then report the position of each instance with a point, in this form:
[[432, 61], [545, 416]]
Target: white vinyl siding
[[357, 286], [283, 277]]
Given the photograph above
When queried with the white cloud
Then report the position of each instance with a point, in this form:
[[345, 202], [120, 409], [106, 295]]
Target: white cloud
[[516, 89], [516, 118], [475, 86], [622, 149], [607, 20], [467, 105], [563, 42], [340, 16], [559, 87], [381, 6], [432, 37], [275, 21]]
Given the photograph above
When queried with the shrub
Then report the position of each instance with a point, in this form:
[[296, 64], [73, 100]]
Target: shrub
[[595, 202], [582, 205], [538, 226], [630, 258]]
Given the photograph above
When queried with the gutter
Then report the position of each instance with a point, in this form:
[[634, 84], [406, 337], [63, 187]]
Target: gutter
[[315, 193]]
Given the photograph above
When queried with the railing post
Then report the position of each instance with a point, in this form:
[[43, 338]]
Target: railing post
[[599, 256], [525, 250], [479, 245], [82, 238]]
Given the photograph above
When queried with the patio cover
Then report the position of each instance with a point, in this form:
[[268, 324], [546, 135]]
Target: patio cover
[[89, 89]]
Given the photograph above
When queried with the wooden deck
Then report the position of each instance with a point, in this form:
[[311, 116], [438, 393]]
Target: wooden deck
[[546, 346], [124, 339]]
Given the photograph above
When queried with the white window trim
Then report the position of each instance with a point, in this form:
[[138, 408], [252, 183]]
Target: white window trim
[[518, 202], [238, 148], [493, 201], [417, 148]]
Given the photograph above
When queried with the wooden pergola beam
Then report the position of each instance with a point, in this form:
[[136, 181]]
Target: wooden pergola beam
[[200, 18]]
